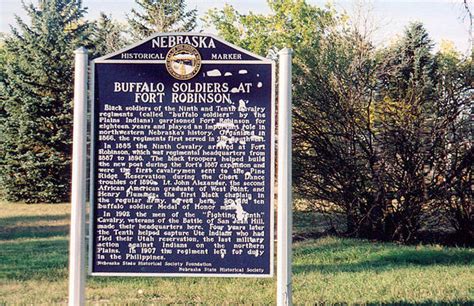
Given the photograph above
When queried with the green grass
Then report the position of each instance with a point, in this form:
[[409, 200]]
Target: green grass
[[33, 270]]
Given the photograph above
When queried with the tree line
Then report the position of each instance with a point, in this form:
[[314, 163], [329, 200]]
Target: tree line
[[36, 86], [382, 135]]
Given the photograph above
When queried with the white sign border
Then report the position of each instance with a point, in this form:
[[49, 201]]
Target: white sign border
[[264, 61]]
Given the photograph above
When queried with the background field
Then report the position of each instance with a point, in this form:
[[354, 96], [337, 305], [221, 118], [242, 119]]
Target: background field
[[34, 257]]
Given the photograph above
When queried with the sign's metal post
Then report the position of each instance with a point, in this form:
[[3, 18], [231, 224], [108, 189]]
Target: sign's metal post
[[78, 193], [284, 180]]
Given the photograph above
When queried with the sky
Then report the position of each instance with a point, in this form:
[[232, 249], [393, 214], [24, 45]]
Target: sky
[[442, 18]]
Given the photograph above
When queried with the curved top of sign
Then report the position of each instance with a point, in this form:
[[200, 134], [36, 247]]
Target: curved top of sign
[[155, 48]]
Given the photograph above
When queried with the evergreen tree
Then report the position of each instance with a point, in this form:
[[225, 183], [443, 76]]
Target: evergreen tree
[[408, 64], [36, 102], [406, 132], [107, 36], [161, 16]]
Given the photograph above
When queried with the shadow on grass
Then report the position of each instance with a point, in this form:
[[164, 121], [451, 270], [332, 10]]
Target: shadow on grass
[[12, 221], [24, 227], [44, 259], [33, 232], [359, 256]]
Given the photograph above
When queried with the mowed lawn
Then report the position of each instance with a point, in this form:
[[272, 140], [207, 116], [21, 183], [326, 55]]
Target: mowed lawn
[[34, 258]]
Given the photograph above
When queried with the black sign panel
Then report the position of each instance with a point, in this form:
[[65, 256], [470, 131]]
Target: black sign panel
[[182, 178]]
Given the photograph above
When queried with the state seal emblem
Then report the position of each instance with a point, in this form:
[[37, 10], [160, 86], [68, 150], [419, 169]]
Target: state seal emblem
[[183, 62]]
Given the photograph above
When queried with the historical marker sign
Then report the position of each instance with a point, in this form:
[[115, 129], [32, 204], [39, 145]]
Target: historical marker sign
[[182, 178]]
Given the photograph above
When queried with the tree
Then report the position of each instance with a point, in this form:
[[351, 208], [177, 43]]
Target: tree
[[420, 123], [452, 194], [161, 16], [334, 156], [107, 36], [291, 23], [374, 130], [404, 117], [36, 100]]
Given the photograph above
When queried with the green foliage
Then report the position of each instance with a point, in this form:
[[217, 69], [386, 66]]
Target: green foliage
[[36, 96], [161, 16], [291, 23], [409, 65], [404, 109], [107, 36]]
